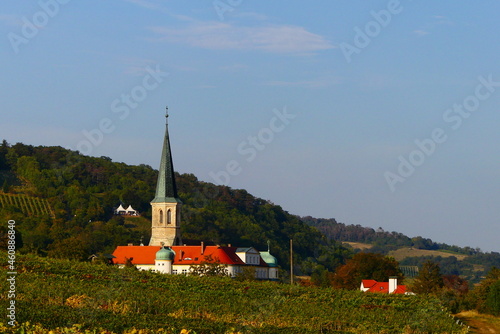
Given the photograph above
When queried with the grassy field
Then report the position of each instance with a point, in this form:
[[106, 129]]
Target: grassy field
[[402, 253], [70, 297], [358, 245], [480, 323]]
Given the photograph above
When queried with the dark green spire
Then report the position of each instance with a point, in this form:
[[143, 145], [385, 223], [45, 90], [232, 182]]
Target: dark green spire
[[166, 189]]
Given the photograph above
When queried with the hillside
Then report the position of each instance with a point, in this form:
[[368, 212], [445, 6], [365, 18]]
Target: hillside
[[469, 263], [80, 193], [85, 296]]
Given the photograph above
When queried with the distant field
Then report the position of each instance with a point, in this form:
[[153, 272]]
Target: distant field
[[403, 253], [358, 245]]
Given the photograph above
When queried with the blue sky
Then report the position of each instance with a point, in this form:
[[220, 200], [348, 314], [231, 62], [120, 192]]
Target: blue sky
[[379, 113]]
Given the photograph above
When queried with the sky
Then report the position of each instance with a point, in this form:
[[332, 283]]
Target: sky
[[377, 113]]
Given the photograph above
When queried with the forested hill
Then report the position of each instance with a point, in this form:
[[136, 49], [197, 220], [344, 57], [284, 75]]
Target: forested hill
[[63, 205], [380, 240]]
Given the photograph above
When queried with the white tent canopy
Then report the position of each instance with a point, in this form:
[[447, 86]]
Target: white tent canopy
[[131, 210], [120, 209]]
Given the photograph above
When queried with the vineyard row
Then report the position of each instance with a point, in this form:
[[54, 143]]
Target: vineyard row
[[32, 206]]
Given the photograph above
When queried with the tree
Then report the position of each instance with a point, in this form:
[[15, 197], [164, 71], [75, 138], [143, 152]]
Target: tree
[[493, 299], [365, 266], [209, 267], [429, 279], [454, 293], [322, 277], [246, 274], [28, 168], [4, 149], [6, 186], [456, 283], [71, 248], [481, 296], [129, 263]]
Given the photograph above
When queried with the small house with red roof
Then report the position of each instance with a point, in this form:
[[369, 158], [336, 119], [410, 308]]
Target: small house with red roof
[[369, 285], [166, 253]]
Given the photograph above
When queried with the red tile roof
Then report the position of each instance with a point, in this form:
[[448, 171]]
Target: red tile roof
[[192, 255], [381, 287], [401, 289], [188, 255], [138, 254], [367, 283]]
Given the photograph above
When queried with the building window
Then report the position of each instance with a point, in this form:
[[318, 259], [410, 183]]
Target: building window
[[184, 271], [161, 216], [174, 271], [169, 217]]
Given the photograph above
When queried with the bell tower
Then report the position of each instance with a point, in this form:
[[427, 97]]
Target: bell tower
[[166, 206]]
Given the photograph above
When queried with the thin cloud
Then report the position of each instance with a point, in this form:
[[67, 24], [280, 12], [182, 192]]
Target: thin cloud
[[442, 20], [318, 83], [11, 20], [437, 20], [233, 67], [136, 66], [251, 15], [420, 32], [144, 4], [224, 36], [151, 5]]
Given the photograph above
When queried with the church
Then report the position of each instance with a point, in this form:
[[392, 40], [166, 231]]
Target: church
[[166, 253]]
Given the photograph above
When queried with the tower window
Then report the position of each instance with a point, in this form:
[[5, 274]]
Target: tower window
[[161, 216], [169, 217]]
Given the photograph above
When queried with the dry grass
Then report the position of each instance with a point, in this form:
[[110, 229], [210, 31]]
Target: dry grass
[[358, 245], [403, 253], [480, 323]]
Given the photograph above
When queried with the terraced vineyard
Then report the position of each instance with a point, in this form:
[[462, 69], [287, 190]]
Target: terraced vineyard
[[29, 205]]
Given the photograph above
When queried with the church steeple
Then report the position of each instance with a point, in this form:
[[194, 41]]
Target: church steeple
[[166, 206], [166, 189]]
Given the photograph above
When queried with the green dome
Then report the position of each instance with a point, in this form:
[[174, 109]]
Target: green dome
[[269, 259], [165, 254]]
